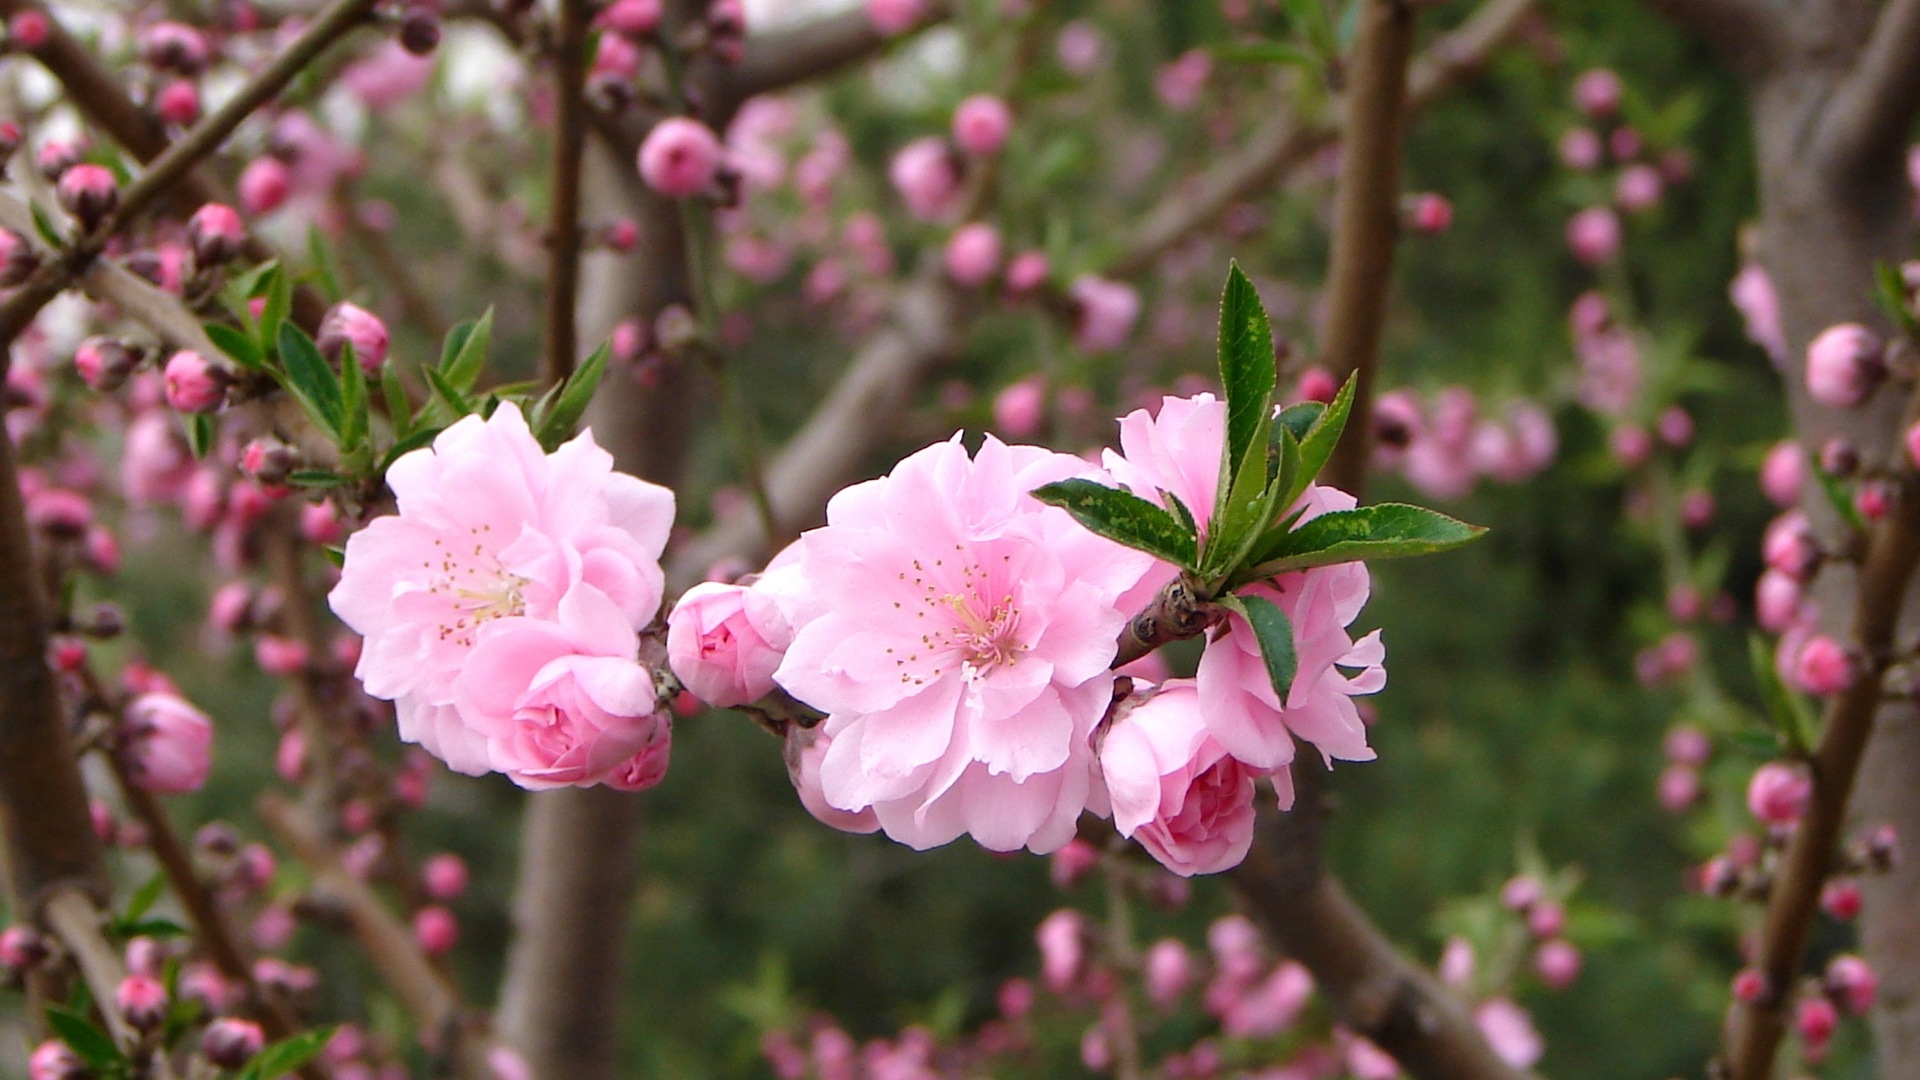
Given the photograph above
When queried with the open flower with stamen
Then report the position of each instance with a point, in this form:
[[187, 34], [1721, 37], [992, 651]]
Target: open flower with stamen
[[958, 634], [556, 554]]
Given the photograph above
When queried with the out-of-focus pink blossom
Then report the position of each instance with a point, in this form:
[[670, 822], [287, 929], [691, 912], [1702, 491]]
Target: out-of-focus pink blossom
[[927, 178], [892, 17], [1080, 48], [1169, 972], [264, 185], [1510, 1031], [1852, 982], [1598, 92], [1823, 666], [1778, 792], [1753, 294], [679, 157], [435, 929], [973, 254], [169, 743], [1071, 864], [388, 77], [1679, 788], [1106, 312], [981, 125], [1558, 963], [1581, 149], [1269, 1007], [1788, 545], [1179, 82], [1638, 188], [1063, 948], [1020, 408], [1844, 364], [1593, 235]]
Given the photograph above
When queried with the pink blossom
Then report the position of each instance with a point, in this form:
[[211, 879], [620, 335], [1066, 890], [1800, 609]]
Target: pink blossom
[[264, 185], [973, 254], [499, 606], [1173, 787], [1679, 787], [435, 929], [1431, 213], [1779, 792], [1269, 1007], [1558, 963], [806, 750], [892, 17], [679, 157], [1398, 422], [1080, 47], [1784, 473], [1840, 898], [1844, 364], [1638, 188], [1106, 310], [1179, 82], [724, 642], [1823, 666], [350, 324], [1063, 948], [1020, 408], [981, 125], [1071, 864], [1598, 92], [632, 18], [194, 383], [1686, 744], [1364, 1059], [169, 743], [1753, 294], [445, 877], [388, 77], [51, 1060], [1509, 1030], [1169, 972], [1175, 450], [1593, 235], [1521, 892], [1027, 271], [1235, 944], [1581, 149], [1457, 962], [1815, 1019], [925, 175], [231, 1042], [1788, 545], [960, 647], [1852, 982], [177, 102]]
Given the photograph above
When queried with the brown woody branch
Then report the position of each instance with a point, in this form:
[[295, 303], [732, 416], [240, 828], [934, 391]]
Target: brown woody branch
[[1870, 117], [776, 61], [76, 920], [563, 229], [1285, 141], [1748, 33]]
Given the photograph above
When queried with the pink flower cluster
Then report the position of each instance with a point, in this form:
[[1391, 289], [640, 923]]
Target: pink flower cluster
[[1444, 448], [960, 635], [500, 607]]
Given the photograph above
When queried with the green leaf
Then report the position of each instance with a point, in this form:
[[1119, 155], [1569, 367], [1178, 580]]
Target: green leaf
[[1310, 18], [399, 407], [200, 434], [354, 421], [279, 293], [1123, 517], [1276, 53], [1793, 721], [287, 1055], [1840, 499], [453, 397], [1317, 445], [92, 1044], [237, 344], [44, 225], [1891, 290], [325, 274], [557, 424], [464, 353], [1382, 531], [308, 378], [1298, 419], [413, 441], [316, 478], [335, 555], [252, 283], [1274, 632], [154, 928], [1246, 371], [144, 900]]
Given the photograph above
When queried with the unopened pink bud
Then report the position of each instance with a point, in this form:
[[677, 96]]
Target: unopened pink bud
[[281, 656], [1675, 427], [274, 927], [1593, 235], [445, 877], [52, 1060], [1546, 919], [1598, 92], [264, 185], [1522, 892], [56, 156], [1852, 983], [891, 17], [1778, 793], [168, 743], [1430, 213], [88, 192], [680, 157], [1845, 363], [1581, 149], [1072, 863], [1873, 499], [230, 1042], [1679, 788], [1639, 188], [973, 254], [349, 324], [194, 384], [1169, 972], [175, 46], [633, 18], [1027, 272], [435, 929], [1823, 666], [177, 103], [1687, 745], [1749, 985], [622, 235], [1558, 963], [1840, 899], [103, 363], [216, 234], [141, 1000], [1697, 508], [320, 524], [21, 948], [1816, 1020], [59, 513], [18, 259], [981, 125], [1019, 409], [1316, 384], [1631, 445]]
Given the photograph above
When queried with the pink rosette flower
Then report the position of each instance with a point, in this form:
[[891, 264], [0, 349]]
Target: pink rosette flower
[[724, 642], [961, 647], [1173, 787], [499, 605]]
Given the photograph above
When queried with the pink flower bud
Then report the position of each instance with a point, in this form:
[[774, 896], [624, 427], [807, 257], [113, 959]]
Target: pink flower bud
[[169, 743], [29, 30], [1096, 1050], [1581, 149], [1679, 787], [1598, 93], [1778, 793], [1749, 985], [1558, 963], [1638, 188], [142, 1000], [892, 17], [1823, 666], [320, 524], [281, 656], [1788, 546], [1631, 445], [680, 157], [1015, 999], [634, 18], [1019, 409], [89, 193], [1316, 384], [1784, 472], [981, 125], [1697, 508], [61, 514], [177, 103], [103, 363], [926, 176], [1027, 272], [1457, 962], [1852, 982], [436, 930], [264, 185], [1593, 235], [1845, 363], [973, 254], [444, 877], [1522, 892], [1071, 864], [231, 1042], [51, 1060], [724, 642], [1107, 311], [175, 46], [622, 235], [216, 234], [21, 948], [194, 384], [18, 259], [1169, 972], [349, 324], [145, 956], [1063, 949], [1815, 1020], [273, 928], [1546, 918], [1873, 499], [1430, 213], [1840, 899], [1687, 745]]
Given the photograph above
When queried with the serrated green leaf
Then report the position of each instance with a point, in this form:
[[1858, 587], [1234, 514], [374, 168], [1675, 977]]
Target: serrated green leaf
[[287, 1055], [308, 378], [1317, 445], [1840, 499], [144, 899], [1381, 531], [556, 426], [251, 283], [44, 225], [320, 479], [1793, 722], [1246, 373], [237, 344], [1124, 518], [1180, 511], [449, 395], [200, 434], [279, 297], [464, 353], [92, 1044], [1298, 418], [1274, 633], [354, 420], [414, 441]]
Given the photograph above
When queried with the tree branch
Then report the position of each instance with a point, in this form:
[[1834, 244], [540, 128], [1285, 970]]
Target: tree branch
[[75, 919], [563, 229], [1284, 141], [779, 60], [1869, 119], [1747, 33]]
